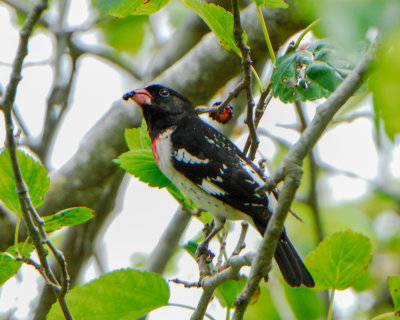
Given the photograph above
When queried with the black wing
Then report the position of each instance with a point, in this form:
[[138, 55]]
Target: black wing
[[216, 165]]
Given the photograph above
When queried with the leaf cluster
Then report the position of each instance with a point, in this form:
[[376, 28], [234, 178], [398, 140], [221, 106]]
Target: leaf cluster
[[38, 182]]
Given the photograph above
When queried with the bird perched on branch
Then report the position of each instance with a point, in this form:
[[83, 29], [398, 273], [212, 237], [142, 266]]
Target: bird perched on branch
[[210, 170]]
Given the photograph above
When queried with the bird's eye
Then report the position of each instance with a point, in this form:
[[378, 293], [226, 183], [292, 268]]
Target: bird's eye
[[164, 93]]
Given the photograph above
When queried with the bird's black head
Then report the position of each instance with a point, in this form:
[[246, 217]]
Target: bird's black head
[[162, 107]]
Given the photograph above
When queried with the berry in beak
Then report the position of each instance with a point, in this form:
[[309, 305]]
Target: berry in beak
[[140, 96]]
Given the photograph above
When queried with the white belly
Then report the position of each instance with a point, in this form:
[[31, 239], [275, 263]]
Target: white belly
[[220, 211]]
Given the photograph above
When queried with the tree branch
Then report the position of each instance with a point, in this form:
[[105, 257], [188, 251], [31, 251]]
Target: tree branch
[[199, 74], [209, 284], [246, 65], [312, 195], [290, 171], [86, 177], [34, 223]]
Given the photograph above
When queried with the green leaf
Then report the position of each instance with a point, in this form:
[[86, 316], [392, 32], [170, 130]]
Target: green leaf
[[120, 295], [364, 282], [272, 3], [118, 32], [141, 164], [191, 248], [265, 308], [348, 21], [145, 141], [227, 291], [219, 21], [339, 260], [8, 263], [122, 8], [310, 74], [305, 301], [385, 84], [138, 138], [394, 288], [132, 139], [67, 217], [180, 197], [34, 174]]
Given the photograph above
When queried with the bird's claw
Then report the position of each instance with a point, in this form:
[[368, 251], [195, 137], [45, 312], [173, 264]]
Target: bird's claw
[[202, 250]]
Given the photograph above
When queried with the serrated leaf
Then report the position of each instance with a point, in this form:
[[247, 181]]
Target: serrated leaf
[[272, 3], [138, 138], [120, 295], [118, 32], [227, 291], [339, 260], [310, 74], [219, 21], [394, 289], [67, 217], [141, 164], [34, 174], [132, 138], [8, 263], [145, 141], [122, 8]]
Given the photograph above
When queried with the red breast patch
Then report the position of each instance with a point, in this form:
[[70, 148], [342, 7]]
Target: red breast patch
[[154, 149]]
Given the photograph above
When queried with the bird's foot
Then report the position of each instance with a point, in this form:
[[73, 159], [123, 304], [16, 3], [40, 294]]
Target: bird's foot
[[204, 251]]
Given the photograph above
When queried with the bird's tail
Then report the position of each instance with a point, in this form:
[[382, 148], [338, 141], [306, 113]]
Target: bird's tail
[[292, 267]]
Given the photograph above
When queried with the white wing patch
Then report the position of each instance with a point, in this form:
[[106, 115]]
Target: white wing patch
[[211, 141], [208, 186], [251, 172], [186, 157], [218, 179]]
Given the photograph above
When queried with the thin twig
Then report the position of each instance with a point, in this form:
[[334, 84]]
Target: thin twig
[[220, 108], [312, 195], [246, 65], [21, 123], [205, 256], [33, 221], [209, 284], [265, 99], [186, 284], [222, 253], [240, 244]]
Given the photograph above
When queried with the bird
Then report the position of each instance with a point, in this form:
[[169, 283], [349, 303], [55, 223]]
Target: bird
[[211, 170]]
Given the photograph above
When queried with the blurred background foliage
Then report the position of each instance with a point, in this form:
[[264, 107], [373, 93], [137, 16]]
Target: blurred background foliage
[[134, 44]]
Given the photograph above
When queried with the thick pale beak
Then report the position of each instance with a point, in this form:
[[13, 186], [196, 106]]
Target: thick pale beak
[[140, 96]]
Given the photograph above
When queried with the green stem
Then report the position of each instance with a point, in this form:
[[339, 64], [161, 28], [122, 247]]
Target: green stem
[[228, 313], [266, 35], [330, 310], [255, 74], [302, 35], [17, 233], [187, 307]]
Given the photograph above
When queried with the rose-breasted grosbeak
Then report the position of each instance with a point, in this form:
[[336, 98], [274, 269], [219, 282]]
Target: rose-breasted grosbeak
[[209, 169]]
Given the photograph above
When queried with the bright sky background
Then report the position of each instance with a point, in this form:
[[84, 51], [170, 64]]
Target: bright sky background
[[348, 147]]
